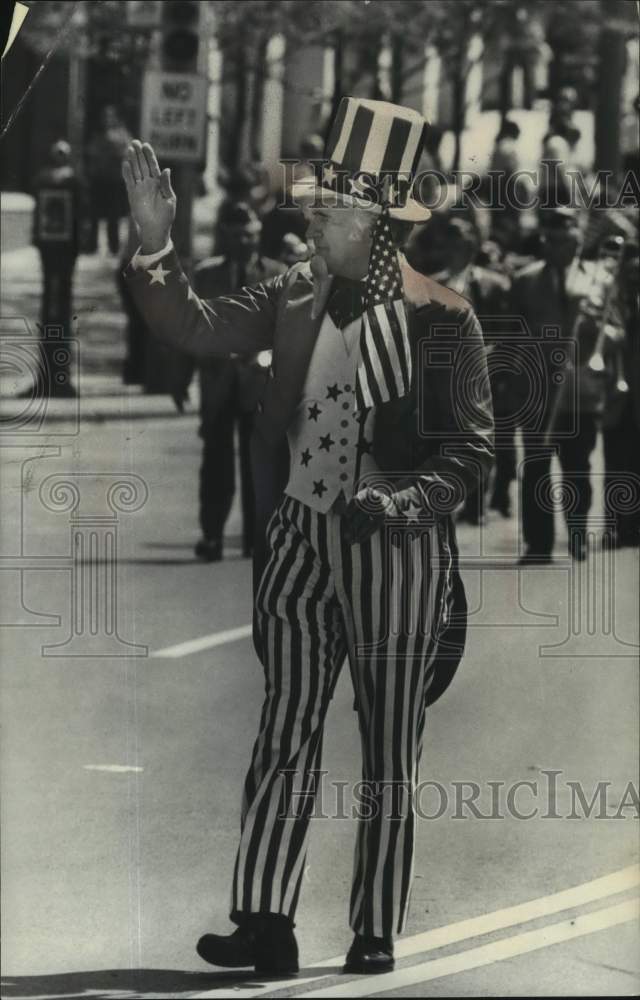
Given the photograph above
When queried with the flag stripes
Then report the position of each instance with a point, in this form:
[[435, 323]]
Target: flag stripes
[[384, 370], [398, 137], [319, 599], [357, 140], [367, 138]]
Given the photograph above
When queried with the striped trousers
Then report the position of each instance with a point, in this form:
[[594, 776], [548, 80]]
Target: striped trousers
[[320, 600]]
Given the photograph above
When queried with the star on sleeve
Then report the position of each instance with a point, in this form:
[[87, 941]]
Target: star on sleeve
[[412, 512], [158, 274], [328, 175]]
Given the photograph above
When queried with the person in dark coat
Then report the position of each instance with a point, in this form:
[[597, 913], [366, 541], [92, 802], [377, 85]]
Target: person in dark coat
[[59, 214], [621, 420], [229, 394], [446, 248], [104, 156], [563, 417]]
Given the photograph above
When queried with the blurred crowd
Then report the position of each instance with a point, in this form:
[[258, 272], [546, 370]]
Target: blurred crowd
[[554, 287]]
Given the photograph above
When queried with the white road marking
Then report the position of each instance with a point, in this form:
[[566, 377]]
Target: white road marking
[[115, 768], [544, 906], [204, 642], [496, 951], [462, 930]]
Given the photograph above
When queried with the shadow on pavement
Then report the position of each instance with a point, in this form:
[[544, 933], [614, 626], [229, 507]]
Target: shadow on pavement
[[141, 984], [111, 984]]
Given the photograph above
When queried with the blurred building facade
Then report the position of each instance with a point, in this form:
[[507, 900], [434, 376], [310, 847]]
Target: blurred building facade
[[263, 100]]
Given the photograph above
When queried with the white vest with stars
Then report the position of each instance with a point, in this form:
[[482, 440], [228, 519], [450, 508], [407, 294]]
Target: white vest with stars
[[329, 444]]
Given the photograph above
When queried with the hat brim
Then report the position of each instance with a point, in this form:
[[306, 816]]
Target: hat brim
[[308, 190]]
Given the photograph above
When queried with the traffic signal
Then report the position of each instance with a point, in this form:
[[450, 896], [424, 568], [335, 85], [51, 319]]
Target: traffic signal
[[181, 35]]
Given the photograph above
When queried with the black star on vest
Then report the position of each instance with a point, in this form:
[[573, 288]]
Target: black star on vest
[[333, 392], [326, 442], [305, 457], [314, 412], [319, 488]]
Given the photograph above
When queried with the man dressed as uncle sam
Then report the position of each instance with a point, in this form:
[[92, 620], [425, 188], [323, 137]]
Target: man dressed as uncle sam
[[379, 382]]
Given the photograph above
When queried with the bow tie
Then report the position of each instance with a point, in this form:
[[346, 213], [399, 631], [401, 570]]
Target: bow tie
[[346, 301]]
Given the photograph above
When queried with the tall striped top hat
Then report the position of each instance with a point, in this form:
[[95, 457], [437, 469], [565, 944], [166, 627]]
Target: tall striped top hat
[[371, 159]]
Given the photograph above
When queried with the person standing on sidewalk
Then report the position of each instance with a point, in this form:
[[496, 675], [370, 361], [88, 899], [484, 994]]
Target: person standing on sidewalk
[[377, 443], [104, 153], [58, 217]]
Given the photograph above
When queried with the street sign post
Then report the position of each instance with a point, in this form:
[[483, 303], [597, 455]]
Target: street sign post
[[173, 115]]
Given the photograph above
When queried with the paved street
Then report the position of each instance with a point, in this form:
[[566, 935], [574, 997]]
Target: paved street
[[121, 775]]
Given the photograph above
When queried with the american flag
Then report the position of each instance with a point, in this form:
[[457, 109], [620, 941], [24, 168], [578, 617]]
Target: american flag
[[384, 369]]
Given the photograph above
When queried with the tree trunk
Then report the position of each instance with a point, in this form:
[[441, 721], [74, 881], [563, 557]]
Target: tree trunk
[[397, 69], [612, 57], [338, 79], [459, 93], [372, 61], [257, 99], [240, 80]]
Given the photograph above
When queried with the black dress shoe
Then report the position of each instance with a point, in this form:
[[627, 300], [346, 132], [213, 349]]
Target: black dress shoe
[[266, 944], [208, 551], [370, 955], [620, 539], [535, 559]]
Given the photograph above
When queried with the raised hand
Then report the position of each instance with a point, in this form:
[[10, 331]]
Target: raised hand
[[151, 198]]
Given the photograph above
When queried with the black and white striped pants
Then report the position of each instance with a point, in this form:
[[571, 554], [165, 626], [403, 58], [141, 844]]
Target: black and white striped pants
[[321, 599]]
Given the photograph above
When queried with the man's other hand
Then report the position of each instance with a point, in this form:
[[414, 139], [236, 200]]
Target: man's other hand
[[151, 197], [365, 514]]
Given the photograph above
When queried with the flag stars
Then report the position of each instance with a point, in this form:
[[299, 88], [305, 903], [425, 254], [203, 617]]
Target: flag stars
[[314, 412], [412, 513], [158, 274], [319, 488], [326, 442], [329, 175]]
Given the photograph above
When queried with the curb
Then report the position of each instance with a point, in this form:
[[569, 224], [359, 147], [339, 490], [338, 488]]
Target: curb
[[27, 415]]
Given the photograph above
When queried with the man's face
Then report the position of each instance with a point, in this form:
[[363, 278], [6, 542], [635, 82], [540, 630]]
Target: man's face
[[342, 236], [241, 241]]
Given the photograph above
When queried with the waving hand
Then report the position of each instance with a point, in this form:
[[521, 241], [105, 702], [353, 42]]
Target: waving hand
[[151, 198]]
